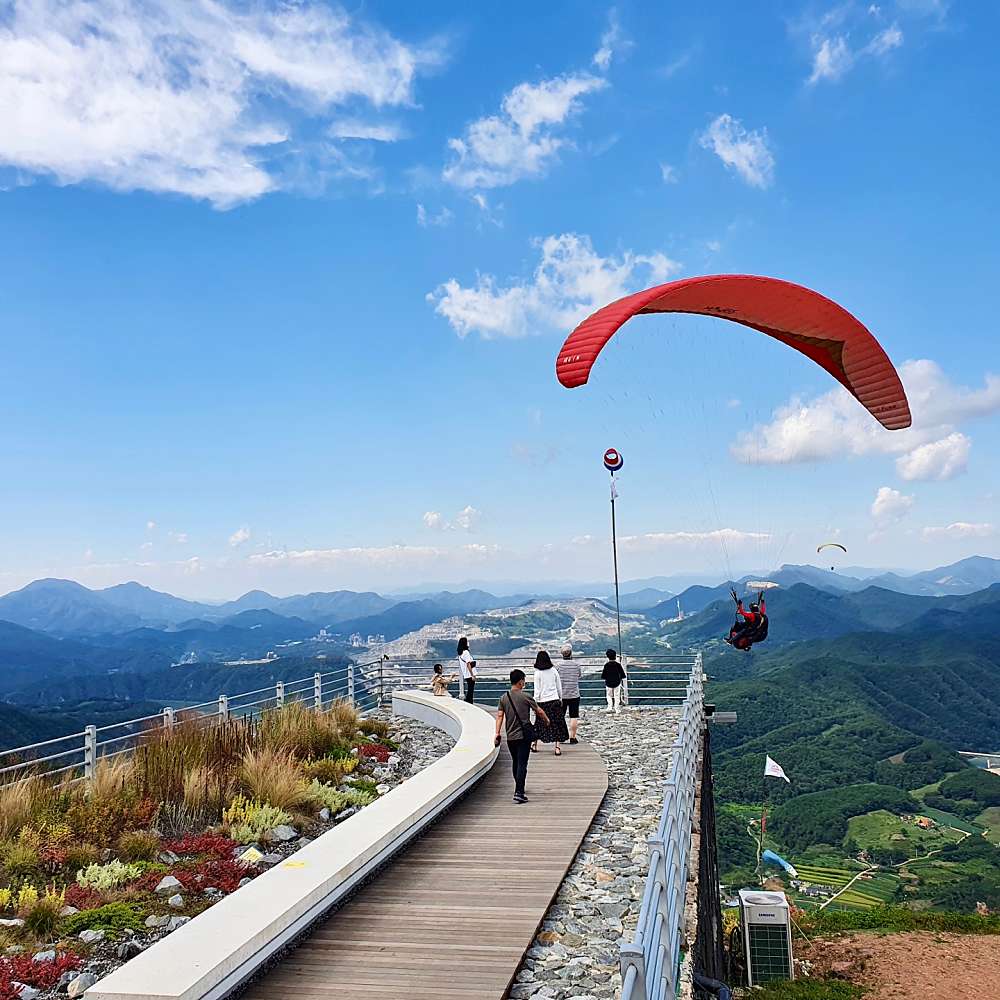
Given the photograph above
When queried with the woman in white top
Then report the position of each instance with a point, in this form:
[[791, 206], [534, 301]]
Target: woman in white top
[[466, 668], [548, 695]]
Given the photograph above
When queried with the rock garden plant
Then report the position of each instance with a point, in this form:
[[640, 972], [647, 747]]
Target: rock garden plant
[[93, 871]]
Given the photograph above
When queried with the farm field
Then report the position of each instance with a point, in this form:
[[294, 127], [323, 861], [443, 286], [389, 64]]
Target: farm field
[[989, 820], [883, 829], [950, 820], [866, 892]]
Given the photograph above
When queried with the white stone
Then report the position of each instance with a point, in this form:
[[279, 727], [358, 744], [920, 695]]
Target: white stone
[[176, 901], [154, 921], [282, 834], [91, 936], [81, 984], [168, 885], [26, 992], [68, 911], [44, 956]]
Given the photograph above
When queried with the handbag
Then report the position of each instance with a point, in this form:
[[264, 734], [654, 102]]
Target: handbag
[[527, 729]]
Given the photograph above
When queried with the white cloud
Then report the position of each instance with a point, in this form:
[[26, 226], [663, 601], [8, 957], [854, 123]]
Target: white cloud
[[239, 536], [885, 41], [745, 152], [465, 520], [835, 425], [425, 219], [942, 459], [670, 539], [206, 98], [960, 529], [570, 281], [352, 128], [613, 41], [146, 546], [523, 139], [890, 505], [669, 174], [150, 525], [382, 556], [831, 58], [180, 537]]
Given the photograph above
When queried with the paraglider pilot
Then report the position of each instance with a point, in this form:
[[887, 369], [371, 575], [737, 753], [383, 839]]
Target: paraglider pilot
[[753, 627]]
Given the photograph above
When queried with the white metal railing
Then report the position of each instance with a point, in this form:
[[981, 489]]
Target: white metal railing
[[650, 963], [75, 755]]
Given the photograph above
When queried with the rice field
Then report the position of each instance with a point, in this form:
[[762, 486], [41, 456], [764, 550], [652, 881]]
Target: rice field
[[866, 892]]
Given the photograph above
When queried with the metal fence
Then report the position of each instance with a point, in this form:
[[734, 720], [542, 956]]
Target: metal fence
[[74, 756], [650, 964], [652, 680]]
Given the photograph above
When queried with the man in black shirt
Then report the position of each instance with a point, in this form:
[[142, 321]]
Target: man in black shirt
[[613, 675]]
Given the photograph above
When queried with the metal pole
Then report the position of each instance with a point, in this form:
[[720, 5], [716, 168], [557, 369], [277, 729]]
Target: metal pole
[[318, 692], [89, 752], [279, 694], [614, 550], [350, 682]]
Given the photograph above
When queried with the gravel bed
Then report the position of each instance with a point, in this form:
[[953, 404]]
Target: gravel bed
[[575, 954]]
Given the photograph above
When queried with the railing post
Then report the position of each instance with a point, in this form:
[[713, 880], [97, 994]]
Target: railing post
[[168, 719], [89, 751], [223, 708], [632, 958], [381, 679], [279, 694], [318, 692], [350, 682]]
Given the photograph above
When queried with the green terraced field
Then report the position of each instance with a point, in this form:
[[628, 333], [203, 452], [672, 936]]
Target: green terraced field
[[950, 820]]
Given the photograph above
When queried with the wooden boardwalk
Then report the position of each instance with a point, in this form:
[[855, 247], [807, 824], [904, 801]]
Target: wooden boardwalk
[[453, 915]]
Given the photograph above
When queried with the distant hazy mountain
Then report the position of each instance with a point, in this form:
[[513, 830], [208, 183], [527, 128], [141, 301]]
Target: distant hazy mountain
[[64, 608], [963, 577], [641, 600], [151, 605], [322, 608]]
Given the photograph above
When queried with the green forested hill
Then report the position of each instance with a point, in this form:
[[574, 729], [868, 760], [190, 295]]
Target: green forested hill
[[832, 711]]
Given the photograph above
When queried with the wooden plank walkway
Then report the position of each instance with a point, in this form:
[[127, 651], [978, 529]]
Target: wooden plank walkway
[[451, 917]]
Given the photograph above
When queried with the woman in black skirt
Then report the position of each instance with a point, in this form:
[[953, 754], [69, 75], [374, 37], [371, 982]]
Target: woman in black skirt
[[548, 695]]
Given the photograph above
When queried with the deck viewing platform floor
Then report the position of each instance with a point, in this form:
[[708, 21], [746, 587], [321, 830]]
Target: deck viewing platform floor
[[452, 916]]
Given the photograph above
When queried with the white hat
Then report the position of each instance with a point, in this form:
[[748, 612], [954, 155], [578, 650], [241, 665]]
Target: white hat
[[567, 648]]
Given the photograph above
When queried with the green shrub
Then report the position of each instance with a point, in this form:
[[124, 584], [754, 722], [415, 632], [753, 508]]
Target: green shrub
[[356, 797], [375, 727], [138, 845], [328, 796], [325, 770], [80, 856], [104, 877], [809, 989], [366, 786], [42, 918], [249, 821], [110, 917], [20, 861], [897, 918]]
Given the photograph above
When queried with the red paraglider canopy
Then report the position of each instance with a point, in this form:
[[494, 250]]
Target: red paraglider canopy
[[799, 317]]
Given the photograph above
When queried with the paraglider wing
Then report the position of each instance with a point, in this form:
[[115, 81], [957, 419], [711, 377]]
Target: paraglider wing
[[828, 545], [776, 859], [799, 317]]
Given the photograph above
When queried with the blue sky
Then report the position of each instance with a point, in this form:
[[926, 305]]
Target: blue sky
[[283, 287]]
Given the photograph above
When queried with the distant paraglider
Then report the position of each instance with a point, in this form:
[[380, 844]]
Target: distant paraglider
[[831, 545]]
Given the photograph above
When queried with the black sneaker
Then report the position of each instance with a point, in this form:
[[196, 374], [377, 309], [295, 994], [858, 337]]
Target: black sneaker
[[573, 742], [520, 799]]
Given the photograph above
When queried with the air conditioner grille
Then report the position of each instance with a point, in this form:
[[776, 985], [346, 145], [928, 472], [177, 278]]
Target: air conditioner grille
[[768, 952]]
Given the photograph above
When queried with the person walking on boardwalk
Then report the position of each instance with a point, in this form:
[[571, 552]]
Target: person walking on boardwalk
[[569, 673], [549, 694], [466, 669], [514, 714], [613, 675]]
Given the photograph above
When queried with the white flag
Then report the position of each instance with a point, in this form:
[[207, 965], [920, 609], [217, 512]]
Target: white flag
[[614, 489], [772, 769]]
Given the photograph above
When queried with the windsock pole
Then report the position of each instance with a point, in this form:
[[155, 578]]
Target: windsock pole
[[613, 462]]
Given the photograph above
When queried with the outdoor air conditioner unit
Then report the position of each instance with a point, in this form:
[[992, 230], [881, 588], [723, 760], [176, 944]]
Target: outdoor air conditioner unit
[[767, 936]]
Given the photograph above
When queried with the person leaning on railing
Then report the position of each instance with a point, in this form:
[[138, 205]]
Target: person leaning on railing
[[569, 674]]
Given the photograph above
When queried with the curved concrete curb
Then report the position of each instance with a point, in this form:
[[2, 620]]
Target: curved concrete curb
[[208, 957]]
